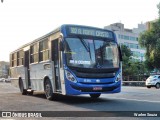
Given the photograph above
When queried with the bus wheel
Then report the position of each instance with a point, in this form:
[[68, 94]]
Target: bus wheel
[[95, 95], [30, 93], [158, 85], [48, 90], [21, 87]]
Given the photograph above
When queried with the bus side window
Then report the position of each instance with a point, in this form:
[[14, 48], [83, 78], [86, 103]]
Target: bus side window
[[14, 59], [20, 56], [34, 53], [43, 50]]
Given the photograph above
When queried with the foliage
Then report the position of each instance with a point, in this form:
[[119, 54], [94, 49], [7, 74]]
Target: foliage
[[127, 65], [158, 6], [131, 67], [126, 51], [151, 41]]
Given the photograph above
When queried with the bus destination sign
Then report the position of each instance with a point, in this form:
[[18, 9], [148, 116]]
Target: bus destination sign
[[90, 32]]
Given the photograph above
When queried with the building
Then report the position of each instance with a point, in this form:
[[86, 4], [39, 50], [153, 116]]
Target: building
[[4, 68], [141, 28], [150, 23], [129, 37]]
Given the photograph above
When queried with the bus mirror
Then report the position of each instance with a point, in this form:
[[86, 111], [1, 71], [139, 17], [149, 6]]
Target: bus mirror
[[61, 46], [120, 53]]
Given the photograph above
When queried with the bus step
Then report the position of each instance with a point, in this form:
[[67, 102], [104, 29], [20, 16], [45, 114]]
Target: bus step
[[58, 91]]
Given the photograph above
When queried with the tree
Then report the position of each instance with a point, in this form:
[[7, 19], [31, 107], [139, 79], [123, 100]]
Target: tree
[[126, 51], [158, 6], [126, 54], [130, 66], [150, 40]]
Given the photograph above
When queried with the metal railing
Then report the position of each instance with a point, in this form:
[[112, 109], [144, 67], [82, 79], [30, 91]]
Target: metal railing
[[134, 80], [133, 83]]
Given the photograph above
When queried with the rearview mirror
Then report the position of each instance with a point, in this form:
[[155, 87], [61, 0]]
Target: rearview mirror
[[120, 53]]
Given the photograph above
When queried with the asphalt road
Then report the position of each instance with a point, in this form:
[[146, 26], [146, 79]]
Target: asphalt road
[[134, 99]]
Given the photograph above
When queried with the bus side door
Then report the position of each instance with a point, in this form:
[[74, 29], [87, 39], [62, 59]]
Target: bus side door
[[55, 58], [27, 71]]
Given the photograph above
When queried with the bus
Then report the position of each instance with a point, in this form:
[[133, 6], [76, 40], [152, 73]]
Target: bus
[[70, 60]]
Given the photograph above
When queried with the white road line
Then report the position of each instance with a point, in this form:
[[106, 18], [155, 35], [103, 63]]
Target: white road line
[[136, 100]]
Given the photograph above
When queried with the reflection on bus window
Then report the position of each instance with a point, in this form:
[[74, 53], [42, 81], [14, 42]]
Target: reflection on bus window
[[91, 53]]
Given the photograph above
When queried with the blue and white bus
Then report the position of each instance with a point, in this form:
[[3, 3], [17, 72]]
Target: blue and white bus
[[71, 60]]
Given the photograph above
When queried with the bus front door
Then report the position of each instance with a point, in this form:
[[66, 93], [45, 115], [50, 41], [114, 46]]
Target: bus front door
[[55, 58], [27, 72]]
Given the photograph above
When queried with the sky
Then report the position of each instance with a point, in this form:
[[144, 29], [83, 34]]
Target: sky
[[22, 21]]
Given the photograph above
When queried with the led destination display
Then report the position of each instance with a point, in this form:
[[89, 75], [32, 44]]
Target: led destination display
[[90, 32]]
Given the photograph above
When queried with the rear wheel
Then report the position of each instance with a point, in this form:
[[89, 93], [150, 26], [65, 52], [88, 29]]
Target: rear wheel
[[21, 87], [95, 95], [48, 90], [158, 85]]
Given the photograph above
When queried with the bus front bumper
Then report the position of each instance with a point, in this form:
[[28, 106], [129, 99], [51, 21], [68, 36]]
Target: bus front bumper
[[79, 88]]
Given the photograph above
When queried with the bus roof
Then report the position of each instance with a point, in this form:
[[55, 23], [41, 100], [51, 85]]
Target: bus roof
[[57, 30], [38, 39]]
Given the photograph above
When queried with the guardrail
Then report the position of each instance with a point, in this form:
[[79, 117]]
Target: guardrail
[[133, 83], [124, 83]]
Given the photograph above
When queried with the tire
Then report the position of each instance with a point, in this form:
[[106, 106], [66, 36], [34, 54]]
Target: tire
[[48, 90], [94, 96], [21, 87], [148, 86], [30, 93], [157, 85]]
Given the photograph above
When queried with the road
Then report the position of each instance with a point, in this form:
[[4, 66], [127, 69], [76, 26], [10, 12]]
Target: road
[[130, 99]]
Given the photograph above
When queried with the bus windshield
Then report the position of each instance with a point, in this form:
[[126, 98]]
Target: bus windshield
[[91, 53]]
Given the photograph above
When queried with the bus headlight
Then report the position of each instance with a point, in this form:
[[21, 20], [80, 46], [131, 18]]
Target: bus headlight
[[70, 77], [119, 77]]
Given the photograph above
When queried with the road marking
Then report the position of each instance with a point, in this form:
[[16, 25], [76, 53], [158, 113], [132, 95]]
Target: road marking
[[136, 100]]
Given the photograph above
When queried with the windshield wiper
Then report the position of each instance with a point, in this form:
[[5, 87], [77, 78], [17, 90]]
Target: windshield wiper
[[85, 44], [87, 47]]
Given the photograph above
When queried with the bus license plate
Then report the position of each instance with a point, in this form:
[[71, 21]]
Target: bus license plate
[[97, 88]]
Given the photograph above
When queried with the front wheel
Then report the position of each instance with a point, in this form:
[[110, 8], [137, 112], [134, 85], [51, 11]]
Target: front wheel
[[95, 95], [48, 90], [158, 85]]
